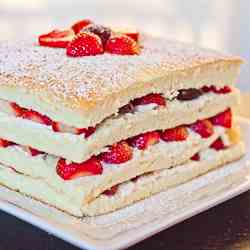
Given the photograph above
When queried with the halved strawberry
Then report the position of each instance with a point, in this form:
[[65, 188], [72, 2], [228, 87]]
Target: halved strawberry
[[60, 127], [74, 170], [85, 44], [5, 143], [223, 119], [122, 45], [143, 141], [203, 127], [111, 191], [118, 153], [218, 145], [175, 134], [57, 38], [131, 32], [77, 27], [37, 117], [195, 157], [150, 98]]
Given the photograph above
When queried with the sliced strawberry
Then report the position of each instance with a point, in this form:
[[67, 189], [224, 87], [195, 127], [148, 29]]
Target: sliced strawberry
[[111, 191], [195, 157], [203, 127], [143, 141], [57, 38], [5, 143], [118, 153], [19, 111], [74, 170], [85, 44], [214, 89], [218, 145], [131, 32], [31, 151], [122, 45], [86, 131], [175, 134], [223, 119], [78, 26], [37, 117], [150, 98]]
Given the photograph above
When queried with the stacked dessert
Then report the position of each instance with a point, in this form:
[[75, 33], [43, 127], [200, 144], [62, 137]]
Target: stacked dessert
[[115, 119]]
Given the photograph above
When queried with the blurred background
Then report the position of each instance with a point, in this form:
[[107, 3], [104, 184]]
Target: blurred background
[[216, 24]]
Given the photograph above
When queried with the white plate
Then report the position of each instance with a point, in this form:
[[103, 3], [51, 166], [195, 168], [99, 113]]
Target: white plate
[[123, 228]]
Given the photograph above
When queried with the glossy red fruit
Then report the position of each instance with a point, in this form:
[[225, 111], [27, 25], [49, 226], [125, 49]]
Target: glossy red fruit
[[118, 153], [57, 38], [103, 32], [175, 134], [195, 157], [143, 141], [85, 44], [34, 152], [86, 131], [149, 99], [74, 170], [131, 32], [19, 111], [223, 119], [37, 117], [122, 45], [111, 191], [203, 127], [78, 26], [218, 145], [5, 143], [214, 89]]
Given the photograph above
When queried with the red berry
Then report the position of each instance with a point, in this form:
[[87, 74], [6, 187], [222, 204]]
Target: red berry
[[86, 131], [78, 26], [118, 153], [212, 88], [131, 32], [175, 134], [34, 152], [37, 117], [143, 141], [57, 38], [5, 143], [207, 89], [203, 127], [17, 109], [223, 119], [85, 44], [150, 98], [195, 157], [218, 144], [74, 170], [111, 191], [103, 32], [122, 45]]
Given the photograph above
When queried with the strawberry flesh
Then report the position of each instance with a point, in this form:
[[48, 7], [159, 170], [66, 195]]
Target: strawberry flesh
[[212, 88], [175, 134], [85, 44], [143, 141], [75, 170], [78, 26], [149, 99], [118, 153], [37, 117], [111, 191], [218, 145], [122, 45], [56, 38], [195, 157], [5, 143], [131, 32], [223, 119], [19, 111], [203, 127], [34, 152]]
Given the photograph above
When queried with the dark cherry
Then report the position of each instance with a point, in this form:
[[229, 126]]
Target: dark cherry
[[188, 94], [103, 32], [129, 108]]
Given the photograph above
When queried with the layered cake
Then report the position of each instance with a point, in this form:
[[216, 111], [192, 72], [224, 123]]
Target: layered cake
[[93, 119]]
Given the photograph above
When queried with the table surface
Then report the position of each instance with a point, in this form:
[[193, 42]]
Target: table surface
[[225, 227]]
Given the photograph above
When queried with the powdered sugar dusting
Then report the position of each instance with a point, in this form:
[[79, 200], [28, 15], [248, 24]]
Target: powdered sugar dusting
[[37, 68]]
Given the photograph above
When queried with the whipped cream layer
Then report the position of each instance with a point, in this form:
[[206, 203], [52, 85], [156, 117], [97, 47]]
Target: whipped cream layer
[[115, 128]]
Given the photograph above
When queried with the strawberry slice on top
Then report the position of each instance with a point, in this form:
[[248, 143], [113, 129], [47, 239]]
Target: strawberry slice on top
[[57, 38]]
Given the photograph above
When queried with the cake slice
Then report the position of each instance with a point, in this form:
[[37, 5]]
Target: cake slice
[[75, 132]]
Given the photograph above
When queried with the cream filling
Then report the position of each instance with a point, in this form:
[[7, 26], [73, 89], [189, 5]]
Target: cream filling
[[85, 189], [114, 129]]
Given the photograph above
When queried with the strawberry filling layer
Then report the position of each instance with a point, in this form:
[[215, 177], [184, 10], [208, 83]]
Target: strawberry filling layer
[[157, 100], [122, 151]]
